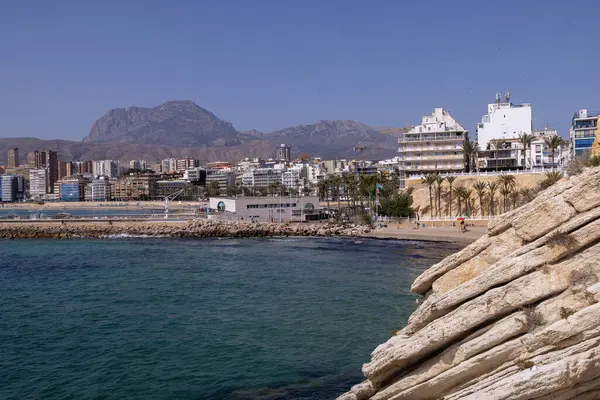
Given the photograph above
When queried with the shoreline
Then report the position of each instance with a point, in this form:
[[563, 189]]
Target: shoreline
[[203, 228]]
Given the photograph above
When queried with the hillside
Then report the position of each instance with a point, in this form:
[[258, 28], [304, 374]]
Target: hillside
[[334, 138], [182, 128], [73, 151], [515, 315], [175, 123]]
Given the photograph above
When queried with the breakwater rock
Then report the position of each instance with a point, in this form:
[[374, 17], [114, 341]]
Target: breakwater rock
[[194, 228], [514, 315]]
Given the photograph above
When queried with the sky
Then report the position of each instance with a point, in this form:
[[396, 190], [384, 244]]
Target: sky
[[270, 64]]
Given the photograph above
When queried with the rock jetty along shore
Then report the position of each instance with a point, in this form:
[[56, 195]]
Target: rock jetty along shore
[[514, 315], [201, 228]]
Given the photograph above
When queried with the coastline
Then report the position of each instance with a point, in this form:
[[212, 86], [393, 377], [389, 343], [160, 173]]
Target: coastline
[[203, 228]]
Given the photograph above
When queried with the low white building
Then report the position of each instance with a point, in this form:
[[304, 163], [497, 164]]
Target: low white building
[[266, 209]]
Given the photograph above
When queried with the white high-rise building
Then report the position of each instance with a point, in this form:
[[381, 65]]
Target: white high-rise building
[[504, 120], [109, 168], [38, 183]]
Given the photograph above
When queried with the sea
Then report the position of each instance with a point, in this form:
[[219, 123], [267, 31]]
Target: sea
[[162, 318]]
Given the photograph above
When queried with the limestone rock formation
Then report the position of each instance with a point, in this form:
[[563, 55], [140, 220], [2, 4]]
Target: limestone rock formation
[[514, 315]]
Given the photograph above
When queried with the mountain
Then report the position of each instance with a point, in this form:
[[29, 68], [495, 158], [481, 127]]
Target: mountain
[[253, 132], [73, 151], [182, 128], [175, 123], [335, 139]]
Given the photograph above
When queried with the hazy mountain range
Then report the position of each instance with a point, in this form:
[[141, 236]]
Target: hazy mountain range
[[182, 128]]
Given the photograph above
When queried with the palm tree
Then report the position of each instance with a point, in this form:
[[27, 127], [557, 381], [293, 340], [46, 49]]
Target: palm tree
[[450, 179], [481, 190], [429, 180], [471, 149], [439, 180], [508, 183], [493, 186], [525, 139], [505, 192], [336, 183], [551, 179], [467, 198], [458, 191], [527, 194], [553, 142], [514, 196]]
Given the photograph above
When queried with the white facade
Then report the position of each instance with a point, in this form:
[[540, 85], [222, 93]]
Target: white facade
[[434, 146], [261, 177], [38, 183], [504, 120], [99, 189], [270, 209], [169, 165], [109, 168]]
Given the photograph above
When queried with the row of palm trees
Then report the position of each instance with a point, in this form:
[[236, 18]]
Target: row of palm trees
[[482, 198]]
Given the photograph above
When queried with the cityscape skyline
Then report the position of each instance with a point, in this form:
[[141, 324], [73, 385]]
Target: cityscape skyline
[[274, 66]]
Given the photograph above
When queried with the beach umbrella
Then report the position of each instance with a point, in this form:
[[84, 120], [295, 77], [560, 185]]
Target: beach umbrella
[[460, 219]]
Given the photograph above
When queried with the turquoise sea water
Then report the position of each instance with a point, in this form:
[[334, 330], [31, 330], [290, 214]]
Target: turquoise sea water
[[289, 318]]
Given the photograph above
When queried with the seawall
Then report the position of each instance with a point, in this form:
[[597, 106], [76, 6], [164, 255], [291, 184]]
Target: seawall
[[200, 228]]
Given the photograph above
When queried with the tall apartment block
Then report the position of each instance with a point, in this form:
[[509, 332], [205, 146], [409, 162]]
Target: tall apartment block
[[52, 166], [38, 181], [36, 159], [13, 158], [584, 126], [434, 146], [284, 153]]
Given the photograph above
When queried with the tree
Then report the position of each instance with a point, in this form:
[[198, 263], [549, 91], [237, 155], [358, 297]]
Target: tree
[[551, 179], [466, 196], [525, 139], [230, 190], [438, 192], [505, 192], [350, 187], [429, 180], [514, 197], [527, 194], [397, 205], [507, 183], [213, 189], [450, 179], [492, 188], [481, 190], [458, 191], [553, 142], [471, 150]]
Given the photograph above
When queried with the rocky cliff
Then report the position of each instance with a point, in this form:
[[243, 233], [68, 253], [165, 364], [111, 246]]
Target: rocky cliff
[[174, 123], [515, 315]]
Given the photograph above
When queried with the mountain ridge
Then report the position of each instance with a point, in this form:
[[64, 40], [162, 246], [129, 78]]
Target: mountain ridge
[[183, 128]]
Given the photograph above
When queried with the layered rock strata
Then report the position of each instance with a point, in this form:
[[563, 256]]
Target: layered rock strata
[[514, 315], [195, 228]]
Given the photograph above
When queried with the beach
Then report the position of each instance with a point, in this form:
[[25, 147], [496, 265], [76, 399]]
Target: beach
[[434, 234]]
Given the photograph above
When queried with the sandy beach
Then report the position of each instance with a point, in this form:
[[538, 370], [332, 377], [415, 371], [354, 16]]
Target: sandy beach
[[441, 234]]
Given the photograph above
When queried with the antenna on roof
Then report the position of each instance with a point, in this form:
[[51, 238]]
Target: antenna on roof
[[498, 97], [507, 97]]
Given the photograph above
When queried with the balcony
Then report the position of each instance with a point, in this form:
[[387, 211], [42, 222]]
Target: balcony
[[429, 148], [433, 158], [431, 137]]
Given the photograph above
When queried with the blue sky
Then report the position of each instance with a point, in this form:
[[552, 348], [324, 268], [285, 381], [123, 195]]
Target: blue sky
[[271, 64]]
